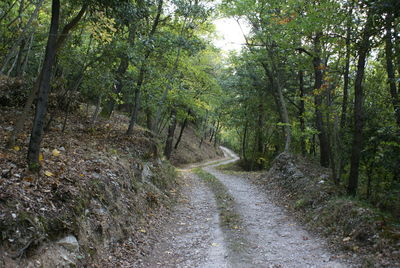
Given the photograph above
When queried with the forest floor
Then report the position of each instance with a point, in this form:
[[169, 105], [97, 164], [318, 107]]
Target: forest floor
[[109, 191], [225, 220]]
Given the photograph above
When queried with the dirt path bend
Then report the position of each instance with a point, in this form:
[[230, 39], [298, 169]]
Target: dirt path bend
[[269, 237]]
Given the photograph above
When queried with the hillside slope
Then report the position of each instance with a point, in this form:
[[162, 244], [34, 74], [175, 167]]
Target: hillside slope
[[98, 199], [307, 189], [190, 151]]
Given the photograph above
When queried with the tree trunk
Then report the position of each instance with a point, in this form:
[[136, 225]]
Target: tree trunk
[[212, 131], [184, 124], [16, 44], [69, 27], [170, 137], [44, 88], [150, 119], [142, 72], [390, 68], [19, 124], [96, 111], [6, 12], [19, 61], [216, 133], [346, 80], [345, 100], [26, 60], [358, 108], [302, 111], [136, 107], [260, 124], [319, 122], [70, 99], [120, 74], [110, 105], [392, 80], [244, 142], [276, 85]]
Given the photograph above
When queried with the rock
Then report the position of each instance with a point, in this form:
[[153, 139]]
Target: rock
[[69, 242], [146, 173]]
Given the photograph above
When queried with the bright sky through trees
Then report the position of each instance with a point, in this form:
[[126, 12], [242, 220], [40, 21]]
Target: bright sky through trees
[[231, 37]]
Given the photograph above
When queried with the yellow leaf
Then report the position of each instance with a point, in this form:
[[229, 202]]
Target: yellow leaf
[[214, 244], [142, 230], [17, 148], [41, 157], [55, 152], [48, 173]]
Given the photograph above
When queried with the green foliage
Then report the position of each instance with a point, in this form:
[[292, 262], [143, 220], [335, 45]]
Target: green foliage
[[122, 54], [281, 44]]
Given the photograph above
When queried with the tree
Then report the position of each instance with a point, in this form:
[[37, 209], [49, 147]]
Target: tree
[[44, 87]]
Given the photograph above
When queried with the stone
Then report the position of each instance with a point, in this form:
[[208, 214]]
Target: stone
[[69, 242], [147, 174]]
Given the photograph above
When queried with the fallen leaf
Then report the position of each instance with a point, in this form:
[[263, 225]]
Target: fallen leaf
[[214, 244], [41, 157], [142, 230], [48, 173], [17, 148], [56, 152], [346, 239]]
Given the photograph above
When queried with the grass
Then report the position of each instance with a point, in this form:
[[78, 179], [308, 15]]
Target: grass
[[226, 205], [230, 220]]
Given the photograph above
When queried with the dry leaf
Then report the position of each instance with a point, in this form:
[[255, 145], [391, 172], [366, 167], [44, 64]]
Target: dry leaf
[[41, 157], [48, 173], [55, 152], [142, 230], [17, 148], [346, 239]]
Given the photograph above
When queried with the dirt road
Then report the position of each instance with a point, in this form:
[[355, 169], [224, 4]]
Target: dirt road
[[267, 237]]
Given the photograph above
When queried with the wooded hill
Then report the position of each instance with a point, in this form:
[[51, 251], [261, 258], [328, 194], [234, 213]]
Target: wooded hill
[[317, 78], [321, 79], [150, 59]]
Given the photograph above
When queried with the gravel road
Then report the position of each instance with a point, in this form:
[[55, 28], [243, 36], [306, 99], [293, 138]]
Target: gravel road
[[269, 237]]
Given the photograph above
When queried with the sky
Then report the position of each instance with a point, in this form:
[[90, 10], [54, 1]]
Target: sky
[[231, 37]]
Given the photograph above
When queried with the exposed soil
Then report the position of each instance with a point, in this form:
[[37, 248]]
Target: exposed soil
[[190, 151], [267, 236]]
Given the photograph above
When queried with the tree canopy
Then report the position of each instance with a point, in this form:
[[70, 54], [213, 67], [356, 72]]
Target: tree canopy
[[316, 78]]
